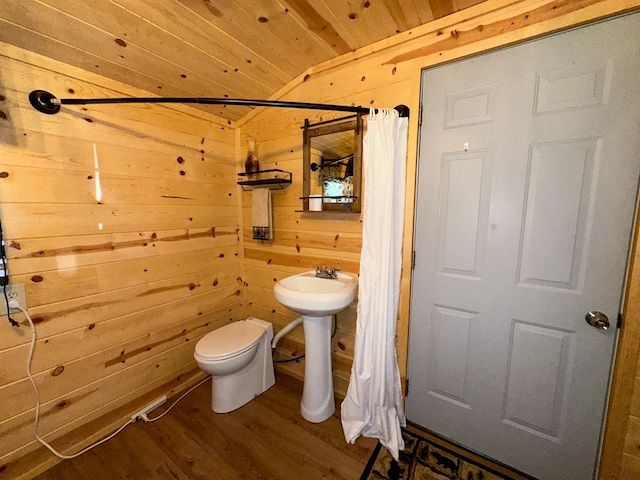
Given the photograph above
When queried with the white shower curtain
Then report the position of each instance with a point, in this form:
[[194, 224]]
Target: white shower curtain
[[373, 405]]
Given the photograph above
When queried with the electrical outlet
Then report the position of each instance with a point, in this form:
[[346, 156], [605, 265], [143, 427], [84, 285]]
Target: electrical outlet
[[14, 292]]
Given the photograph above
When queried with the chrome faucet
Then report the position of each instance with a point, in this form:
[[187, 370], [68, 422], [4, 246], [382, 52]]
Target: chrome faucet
[[327, 273]]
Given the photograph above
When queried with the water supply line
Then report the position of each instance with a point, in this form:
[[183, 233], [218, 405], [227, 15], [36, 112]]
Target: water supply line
[[290, 326], [284, 331], [276, 338]]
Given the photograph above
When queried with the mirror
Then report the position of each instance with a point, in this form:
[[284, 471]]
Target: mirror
[[332, 165]]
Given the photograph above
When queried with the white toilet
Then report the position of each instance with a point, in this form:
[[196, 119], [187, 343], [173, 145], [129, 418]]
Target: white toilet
[[238, 358]]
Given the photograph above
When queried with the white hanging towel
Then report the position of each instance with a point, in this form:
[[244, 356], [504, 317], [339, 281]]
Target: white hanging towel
[[261, 214], [373, 405]]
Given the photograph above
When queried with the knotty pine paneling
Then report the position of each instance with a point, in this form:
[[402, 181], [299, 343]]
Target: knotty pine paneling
[[22, 28], [95, 249], [63, 283], [239, 49], [630, 467], [245, 37], [101, 124], [88, 312], [123, 225], [80, 188], [112, 159], [118, 330]]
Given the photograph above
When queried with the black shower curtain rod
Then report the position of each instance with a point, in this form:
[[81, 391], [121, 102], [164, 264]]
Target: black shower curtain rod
[[46, 102]]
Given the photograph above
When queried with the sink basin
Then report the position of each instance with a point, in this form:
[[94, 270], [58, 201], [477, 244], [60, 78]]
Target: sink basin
[[317, 297]]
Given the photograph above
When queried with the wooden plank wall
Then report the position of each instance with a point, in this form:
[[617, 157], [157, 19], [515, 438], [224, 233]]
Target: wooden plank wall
[[143, 269], [382, 75], [120, 283], [623, 419]]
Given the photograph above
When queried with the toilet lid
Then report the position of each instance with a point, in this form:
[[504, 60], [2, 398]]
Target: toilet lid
[[232, 339]]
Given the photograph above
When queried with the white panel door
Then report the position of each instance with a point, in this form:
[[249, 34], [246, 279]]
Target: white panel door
[[527, 181]]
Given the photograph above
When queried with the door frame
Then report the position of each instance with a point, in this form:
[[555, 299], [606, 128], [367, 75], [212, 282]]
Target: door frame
[[627, 350]]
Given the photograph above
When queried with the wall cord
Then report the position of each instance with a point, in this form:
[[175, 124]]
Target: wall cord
[[14, 304], [149, 420]]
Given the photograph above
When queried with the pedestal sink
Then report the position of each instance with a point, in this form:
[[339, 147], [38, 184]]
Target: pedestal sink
[[317, 299]]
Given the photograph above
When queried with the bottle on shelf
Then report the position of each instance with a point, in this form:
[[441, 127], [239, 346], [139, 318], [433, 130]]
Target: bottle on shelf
[[251, 164]]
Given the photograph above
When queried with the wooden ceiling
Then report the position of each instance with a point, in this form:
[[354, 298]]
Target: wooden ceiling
[[209, 48]]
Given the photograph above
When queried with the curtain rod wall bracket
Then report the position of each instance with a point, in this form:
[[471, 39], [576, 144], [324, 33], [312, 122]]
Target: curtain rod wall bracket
[[47, 103], [403, 110], [44, 102]]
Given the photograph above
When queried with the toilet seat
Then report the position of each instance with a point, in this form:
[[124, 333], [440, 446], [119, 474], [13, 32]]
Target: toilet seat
[[229, 341]]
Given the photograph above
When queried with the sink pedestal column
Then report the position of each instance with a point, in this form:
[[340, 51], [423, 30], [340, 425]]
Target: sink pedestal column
[[318, 403]]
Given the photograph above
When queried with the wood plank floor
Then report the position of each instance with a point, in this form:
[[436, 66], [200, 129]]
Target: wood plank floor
[[265, 439]]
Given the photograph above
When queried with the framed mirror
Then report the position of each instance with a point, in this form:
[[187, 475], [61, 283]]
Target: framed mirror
[[332, 165]]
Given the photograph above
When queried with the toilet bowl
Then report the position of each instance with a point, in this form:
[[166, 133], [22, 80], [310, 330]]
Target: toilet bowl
[[238, 358]]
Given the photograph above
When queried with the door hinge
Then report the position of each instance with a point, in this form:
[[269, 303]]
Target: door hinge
[[406, 387], [413, 259], [619, 322], [420, 115]]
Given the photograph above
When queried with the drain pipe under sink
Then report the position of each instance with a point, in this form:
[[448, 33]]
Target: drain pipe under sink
[[284, 331]]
